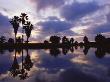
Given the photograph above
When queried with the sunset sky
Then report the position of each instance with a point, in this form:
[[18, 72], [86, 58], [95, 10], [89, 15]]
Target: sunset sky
[[73, 18]]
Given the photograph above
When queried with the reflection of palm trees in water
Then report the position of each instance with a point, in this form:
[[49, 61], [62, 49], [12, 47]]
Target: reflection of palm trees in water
[[15, 67], [23, 73], [26, 65]]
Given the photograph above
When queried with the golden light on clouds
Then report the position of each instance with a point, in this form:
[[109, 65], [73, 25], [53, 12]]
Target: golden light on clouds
[[79, 29], [49, 12], [35, 57], [80, 60]]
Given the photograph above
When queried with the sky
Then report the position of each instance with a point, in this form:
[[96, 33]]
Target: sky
[[71, 18]]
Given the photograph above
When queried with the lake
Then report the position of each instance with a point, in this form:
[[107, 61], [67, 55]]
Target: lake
[[55, 65]]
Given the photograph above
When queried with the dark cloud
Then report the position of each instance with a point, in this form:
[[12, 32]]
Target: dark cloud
[[55, 25], [74, 75], [78, 10], [5, 26], [98, 29], [4, 21], [103, 28], [42, 4]]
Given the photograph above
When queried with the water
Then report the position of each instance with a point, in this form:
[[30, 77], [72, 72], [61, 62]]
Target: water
[[55, 66]]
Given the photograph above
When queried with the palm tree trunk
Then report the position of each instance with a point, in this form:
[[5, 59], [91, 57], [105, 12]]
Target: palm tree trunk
[[15, 38], [27, 39]]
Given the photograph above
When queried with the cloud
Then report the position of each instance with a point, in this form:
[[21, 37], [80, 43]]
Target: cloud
[[74, 75], [78, 10], [55, 25], [42, 4], [4, 26], [101, 28], [4, 21]]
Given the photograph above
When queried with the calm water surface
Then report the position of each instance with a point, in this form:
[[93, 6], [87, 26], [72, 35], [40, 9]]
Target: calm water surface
[[55, 65]]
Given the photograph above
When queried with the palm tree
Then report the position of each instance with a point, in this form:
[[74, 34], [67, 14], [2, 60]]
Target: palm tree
[[28, 62], [15, 21], [23, 18], [28, 28]]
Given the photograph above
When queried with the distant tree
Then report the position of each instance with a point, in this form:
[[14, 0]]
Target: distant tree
[[100, 39], [71, 40], [45, 42], [10, 40], [65, 40], [85, 39], [15, 21], [2, 39], [18, 40], [76, 43], [28, 29], [55, 39]]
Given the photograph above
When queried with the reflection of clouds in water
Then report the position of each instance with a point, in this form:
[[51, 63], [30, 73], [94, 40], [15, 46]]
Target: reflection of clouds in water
[[80, 60], [91, 65], [64, 68], [35, 56]]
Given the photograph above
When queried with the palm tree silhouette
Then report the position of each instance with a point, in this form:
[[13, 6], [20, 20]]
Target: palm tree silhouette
[[14, 70], [23, 18], [28, 63], [28, 28], [15, 21]]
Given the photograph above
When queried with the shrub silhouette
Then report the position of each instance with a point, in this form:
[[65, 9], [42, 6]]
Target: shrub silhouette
[[2, 39], [10, 40], [55, 39], [71, 40], [65, 40], [100, 39], [86, 40]]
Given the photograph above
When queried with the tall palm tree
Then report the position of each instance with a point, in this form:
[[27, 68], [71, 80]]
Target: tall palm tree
[[23, 18], [15, 21], [28, 28]]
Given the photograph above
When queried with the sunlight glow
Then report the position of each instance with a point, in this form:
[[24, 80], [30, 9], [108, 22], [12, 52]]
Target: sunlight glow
[[79, 29], [35, 57], [80, 60], [49, 12]]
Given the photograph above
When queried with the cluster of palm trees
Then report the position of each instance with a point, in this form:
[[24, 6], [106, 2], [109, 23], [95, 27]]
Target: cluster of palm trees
[[26, 25]]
